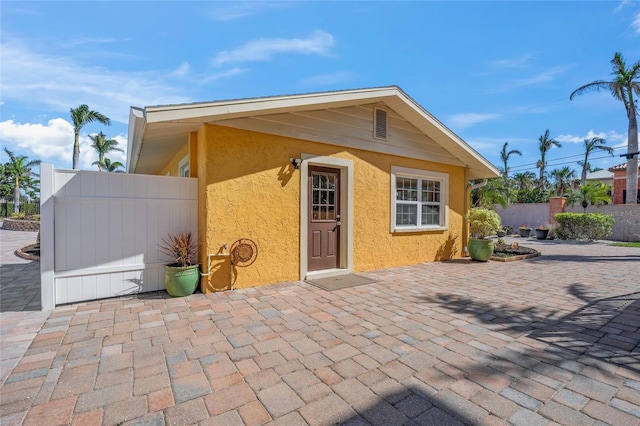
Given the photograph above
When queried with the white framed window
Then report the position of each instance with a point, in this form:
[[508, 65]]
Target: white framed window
[[419, 200], [183, 167]]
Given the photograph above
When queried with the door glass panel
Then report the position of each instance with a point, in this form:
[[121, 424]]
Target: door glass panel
[[331, 213], [323, 196]]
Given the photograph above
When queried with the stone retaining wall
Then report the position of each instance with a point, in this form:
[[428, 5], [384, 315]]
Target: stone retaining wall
[[20, 225]]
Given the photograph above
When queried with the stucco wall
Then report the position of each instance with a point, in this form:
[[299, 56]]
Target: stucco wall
[[249, 190], [625, 228], [531, 215], [171, 168]]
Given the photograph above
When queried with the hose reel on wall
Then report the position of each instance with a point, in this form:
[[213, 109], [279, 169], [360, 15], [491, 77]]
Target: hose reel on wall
[[243, 252]]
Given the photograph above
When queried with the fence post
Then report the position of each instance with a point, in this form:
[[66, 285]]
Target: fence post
[[556, 205], [47, 244]]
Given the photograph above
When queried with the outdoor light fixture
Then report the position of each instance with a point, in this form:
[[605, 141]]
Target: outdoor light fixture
[[296, 162]]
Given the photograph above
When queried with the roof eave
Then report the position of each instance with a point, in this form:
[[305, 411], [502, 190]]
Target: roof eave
[[210, 112], [137, 125]]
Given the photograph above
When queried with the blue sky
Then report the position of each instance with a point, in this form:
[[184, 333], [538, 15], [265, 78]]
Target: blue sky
[[491, 71]]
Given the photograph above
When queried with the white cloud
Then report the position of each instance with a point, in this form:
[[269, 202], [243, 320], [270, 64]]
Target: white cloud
[[53, 143], [516, 62], [229, 11], [61, 83], [89, 40], [635, 24], [183, 70], [620, 6], [317, 43], [460, 121], [543, 77], [611, 137]]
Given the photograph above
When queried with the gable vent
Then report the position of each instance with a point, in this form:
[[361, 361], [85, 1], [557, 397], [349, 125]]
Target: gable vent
[[380, 130]]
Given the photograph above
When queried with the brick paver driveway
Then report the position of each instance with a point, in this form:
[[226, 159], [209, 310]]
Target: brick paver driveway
[[547, 340]]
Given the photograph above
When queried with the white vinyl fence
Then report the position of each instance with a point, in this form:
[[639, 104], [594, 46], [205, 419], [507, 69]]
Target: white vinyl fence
[[100, 232]]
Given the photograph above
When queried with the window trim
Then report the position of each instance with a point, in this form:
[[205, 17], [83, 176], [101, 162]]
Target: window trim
[[443, 178]]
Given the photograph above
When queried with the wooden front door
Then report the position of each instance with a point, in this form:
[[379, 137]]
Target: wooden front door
[[323, 250]]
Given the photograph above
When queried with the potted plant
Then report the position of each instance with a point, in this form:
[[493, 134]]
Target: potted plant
[[542, 232], [525, 231], [181, 277], [482, 223], [501, 232]]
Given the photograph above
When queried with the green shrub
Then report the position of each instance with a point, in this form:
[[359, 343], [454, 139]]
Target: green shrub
[[584, 226], [19, 215], [483, 222]]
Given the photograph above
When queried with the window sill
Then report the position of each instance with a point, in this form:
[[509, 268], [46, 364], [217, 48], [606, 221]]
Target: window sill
[[419, 230]]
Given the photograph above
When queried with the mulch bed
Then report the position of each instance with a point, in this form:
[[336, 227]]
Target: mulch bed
[[30, 252], [511, 252]]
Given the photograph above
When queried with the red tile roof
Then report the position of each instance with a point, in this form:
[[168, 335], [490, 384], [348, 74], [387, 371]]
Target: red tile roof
[[619, 167]]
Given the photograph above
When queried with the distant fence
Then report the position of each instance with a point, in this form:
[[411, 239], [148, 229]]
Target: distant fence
[[531, 215], [6, 208], [625, 228]]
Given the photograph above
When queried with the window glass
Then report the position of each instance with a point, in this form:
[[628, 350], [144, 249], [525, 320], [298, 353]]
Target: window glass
[[419, 199]]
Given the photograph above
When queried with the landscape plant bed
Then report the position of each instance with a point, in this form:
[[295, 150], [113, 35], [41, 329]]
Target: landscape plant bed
[[511, 252], [30, 252]]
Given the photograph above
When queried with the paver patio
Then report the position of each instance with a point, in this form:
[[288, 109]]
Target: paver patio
[[553, 339]]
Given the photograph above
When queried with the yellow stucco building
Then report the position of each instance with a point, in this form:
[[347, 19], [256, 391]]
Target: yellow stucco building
[[318, 184]]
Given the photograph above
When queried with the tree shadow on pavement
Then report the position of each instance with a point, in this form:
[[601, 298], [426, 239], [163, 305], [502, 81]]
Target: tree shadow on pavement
[[20, 287], [606, 329]]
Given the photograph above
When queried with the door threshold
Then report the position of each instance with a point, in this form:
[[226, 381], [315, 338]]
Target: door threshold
[[326, 273]]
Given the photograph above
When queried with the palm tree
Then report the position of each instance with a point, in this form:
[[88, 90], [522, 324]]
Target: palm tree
[[489, 195], [524, 180], [594, 193], [504, 155], [590, 146], [103, 146], [626, 82], [108, 166], [80, 117], [562, 179], [19, 168], [545, 145]]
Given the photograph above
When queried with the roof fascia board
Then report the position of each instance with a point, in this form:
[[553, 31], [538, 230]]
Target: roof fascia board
[[440, 127], [137, 126], [272, 105], [222, 110]]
